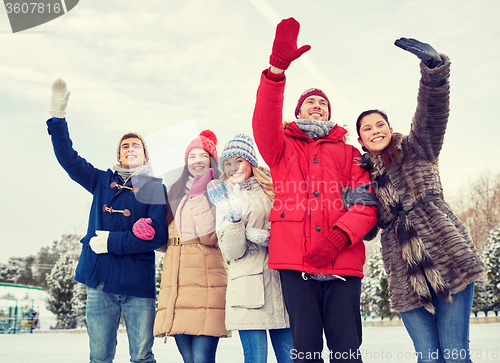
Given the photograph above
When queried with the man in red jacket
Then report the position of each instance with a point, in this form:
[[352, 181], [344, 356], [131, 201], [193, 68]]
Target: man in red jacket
[[315, 243]]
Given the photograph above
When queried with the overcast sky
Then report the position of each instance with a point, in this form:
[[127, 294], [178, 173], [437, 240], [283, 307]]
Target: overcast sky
[[177, 67]]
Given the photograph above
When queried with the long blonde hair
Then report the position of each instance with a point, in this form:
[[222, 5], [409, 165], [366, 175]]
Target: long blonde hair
[[263, 177]]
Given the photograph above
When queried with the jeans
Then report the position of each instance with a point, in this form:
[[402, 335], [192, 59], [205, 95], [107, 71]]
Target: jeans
[[254, 344], [103, 316], [443, 337], [197, 348], [329, 307]]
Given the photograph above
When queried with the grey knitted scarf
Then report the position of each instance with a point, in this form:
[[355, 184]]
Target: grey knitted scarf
[[127, 173], [315, 129]]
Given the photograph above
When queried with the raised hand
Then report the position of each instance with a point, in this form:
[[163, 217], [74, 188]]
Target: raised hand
[[424, 51], [285, 44], [59, 99], [200, 183], [225, 199]]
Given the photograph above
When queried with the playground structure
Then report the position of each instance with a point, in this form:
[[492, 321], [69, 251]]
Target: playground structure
[[18, 315]]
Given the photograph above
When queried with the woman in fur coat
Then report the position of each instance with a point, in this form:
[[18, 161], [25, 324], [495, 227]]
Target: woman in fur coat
[[254, 299], [429, 257]]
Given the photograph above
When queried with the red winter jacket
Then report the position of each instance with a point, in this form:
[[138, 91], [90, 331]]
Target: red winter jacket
[[307, 178]]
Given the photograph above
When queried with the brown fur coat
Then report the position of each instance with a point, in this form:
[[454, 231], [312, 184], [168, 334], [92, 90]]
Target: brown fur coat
[[423, 241]]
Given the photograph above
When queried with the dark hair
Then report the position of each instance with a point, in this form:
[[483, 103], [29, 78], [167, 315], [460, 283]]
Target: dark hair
[[390, 153], [177, 190]]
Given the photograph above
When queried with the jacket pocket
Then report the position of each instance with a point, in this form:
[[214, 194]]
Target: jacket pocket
[[287, 242], [87, 261], [288, 209], [137, 272], [248, 292]]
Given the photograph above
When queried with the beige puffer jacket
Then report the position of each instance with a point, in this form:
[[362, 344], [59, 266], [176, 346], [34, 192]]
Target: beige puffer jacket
[[254, 297], [194, 277]]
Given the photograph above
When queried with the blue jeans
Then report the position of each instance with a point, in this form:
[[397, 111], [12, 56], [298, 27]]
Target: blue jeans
[[103, 316], [197, 348], [254, 344], [443, 337]]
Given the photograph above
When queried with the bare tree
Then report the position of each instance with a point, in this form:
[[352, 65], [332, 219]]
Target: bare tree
[[478, 207]]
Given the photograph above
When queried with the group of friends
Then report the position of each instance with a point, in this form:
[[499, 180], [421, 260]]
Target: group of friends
[[277, 250]]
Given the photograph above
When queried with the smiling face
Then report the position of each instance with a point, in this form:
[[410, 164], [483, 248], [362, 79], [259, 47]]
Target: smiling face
[[198, 161], [132, 153], [374, 133], [237, 169], [314, 108]]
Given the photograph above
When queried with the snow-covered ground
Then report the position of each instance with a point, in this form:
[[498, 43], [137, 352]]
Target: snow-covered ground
[[380, 344]]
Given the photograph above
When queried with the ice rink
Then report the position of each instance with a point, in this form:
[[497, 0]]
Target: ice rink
[[380, 344]]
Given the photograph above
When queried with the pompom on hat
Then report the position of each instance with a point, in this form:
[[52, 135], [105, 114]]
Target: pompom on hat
[[240, 146], [312, 92], [206, 141]]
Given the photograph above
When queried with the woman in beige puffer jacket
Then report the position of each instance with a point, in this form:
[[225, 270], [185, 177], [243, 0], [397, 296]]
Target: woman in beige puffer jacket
[[254, 299], [191, 302]]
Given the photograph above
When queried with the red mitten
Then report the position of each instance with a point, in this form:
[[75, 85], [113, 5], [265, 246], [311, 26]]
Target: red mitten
[[325, 251], [142, 229], [285, 44], [200, 183]]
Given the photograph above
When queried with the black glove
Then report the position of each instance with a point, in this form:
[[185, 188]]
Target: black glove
[[424, 51], [357, 195]]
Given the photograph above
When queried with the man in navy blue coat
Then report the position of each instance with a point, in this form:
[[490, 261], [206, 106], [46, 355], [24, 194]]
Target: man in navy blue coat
[[117, 266]]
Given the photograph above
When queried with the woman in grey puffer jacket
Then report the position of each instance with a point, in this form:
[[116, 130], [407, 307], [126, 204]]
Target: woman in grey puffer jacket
[[254, 299], [429, 257]]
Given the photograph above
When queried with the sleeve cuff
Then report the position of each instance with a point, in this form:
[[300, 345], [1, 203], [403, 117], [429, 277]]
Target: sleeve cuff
[[273, 76]]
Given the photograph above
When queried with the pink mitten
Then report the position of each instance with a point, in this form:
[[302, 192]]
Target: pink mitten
[[142, 229], [285, 44], [200, 183]]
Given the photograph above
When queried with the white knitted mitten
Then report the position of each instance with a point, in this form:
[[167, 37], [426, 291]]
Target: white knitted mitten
[[59, 99], [99, 243], [227, 200], [258, 236]]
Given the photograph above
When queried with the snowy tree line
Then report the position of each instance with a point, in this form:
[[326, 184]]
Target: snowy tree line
[[375, 298], [52, 268], [478, 207]]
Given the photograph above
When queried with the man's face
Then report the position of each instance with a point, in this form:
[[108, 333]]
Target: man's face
[[132, 153], [314, 108]]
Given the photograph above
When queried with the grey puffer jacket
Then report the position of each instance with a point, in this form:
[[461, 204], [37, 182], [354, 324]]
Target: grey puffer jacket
[[254, 298], [423, 240]]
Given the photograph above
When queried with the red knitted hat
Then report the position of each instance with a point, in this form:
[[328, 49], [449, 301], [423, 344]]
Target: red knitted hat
[[206, 141], [312, 92]]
